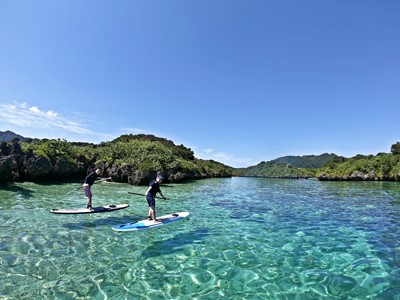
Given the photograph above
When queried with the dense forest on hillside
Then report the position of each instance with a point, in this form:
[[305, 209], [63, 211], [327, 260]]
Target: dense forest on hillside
[[275, 170], [136, 159], [130, 158], [383, 166], [288, 166], [306, 161]]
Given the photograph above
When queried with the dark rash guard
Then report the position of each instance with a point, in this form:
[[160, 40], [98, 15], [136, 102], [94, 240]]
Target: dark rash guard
[[155, 188], [91, 178]]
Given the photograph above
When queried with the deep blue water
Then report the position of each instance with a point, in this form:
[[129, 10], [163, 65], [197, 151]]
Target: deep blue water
[[246, 238]]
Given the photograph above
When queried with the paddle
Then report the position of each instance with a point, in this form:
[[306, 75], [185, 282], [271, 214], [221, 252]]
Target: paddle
[[97, 181], [166, 185], [143, 195]]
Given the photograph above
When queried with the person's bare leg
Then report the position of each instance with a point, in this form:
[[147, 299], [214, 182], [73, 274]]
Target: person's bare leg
[[89, 203], [152, 213]]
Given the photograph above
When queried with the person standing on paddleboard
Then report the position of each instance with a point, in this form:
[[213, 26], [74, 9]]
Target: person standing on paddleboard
[[89, 181], [151, 193]]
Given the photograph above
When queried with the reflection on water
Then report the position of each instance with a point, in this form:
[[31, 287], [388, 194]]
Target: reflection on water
[[246, 238]]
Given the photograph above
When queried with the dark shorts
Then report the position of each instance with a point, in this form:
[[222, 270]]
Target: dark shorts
[[151, 201]]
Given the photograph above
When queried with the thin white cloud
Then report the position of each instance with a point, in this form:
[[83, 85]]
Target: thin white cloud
[[136, 131], [223, 157], [208, 150], [25, 116], [49, 113], [37, 123], [34, 109], [50, 122]]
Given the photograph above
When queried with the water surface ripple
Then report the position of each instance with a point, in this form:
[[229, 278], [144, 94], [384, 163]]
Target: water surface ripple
[[246, 238]]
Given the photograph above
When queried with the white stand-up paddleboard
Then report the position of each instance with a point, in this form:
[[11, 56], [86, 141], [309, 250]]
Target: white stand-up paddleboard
[[147, 224], [99, 209]]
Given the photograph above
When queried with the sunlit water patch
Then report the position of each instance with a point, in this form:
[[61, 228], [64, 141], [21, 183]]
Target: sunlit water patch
[[246, 238]]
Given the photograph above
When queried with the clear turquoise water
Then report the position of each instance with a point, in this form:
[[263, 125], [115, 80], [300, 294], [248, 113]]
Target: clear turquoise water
[[246, 238]]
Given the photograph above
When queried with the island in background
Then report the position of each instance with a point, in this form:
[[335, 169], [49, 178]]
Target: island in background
[[136, 159]]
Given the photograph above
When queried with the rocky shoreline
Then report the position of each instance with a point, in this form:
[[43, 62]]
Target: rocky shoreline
[[358, 176], [18, 167], [66, 162]]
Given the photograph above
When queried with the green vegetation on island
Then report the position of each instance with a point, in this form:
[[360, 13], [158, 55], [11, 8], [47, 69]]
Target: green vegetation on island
[[135, 159], [306, 161], [383, 166], [288, 167], [275, 170]]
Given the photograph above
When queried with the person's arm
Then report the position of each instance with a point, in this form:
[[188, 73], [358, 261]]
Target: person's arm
[[99, 179], [165, 198], [148, 190]]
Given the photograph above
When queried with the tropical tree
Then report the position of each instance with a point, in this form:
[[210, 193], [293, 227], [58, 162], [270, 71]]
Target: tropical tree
[[395, 148]]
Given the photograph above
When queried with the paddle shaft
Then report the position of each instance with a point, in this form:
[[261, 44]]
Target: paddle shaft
[[142, 195], [79, 187]]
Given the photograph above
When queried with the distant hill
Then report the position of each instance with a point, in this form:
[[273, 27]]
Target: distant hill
[[288, 166], [8, 136], [306, 161], [273, 170]]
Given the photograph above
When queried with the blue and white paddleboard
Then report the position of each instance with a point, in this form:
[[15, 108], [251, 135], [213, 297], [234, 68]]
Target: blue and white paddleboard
[[100, 209], [147, 224]]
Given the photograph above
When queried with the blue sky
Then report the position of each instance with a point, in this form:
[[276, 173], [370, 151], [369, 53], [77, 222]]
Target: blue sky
[[239, 82]]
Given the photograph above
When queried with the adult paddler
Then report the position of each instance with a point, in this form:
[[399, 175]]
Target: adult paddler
[[154, 188], [90, 179]]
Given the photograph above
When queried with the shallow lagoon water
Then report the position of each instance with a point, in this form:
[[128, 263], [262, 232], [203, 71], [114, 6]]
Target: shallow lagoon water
[[246, 238]]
